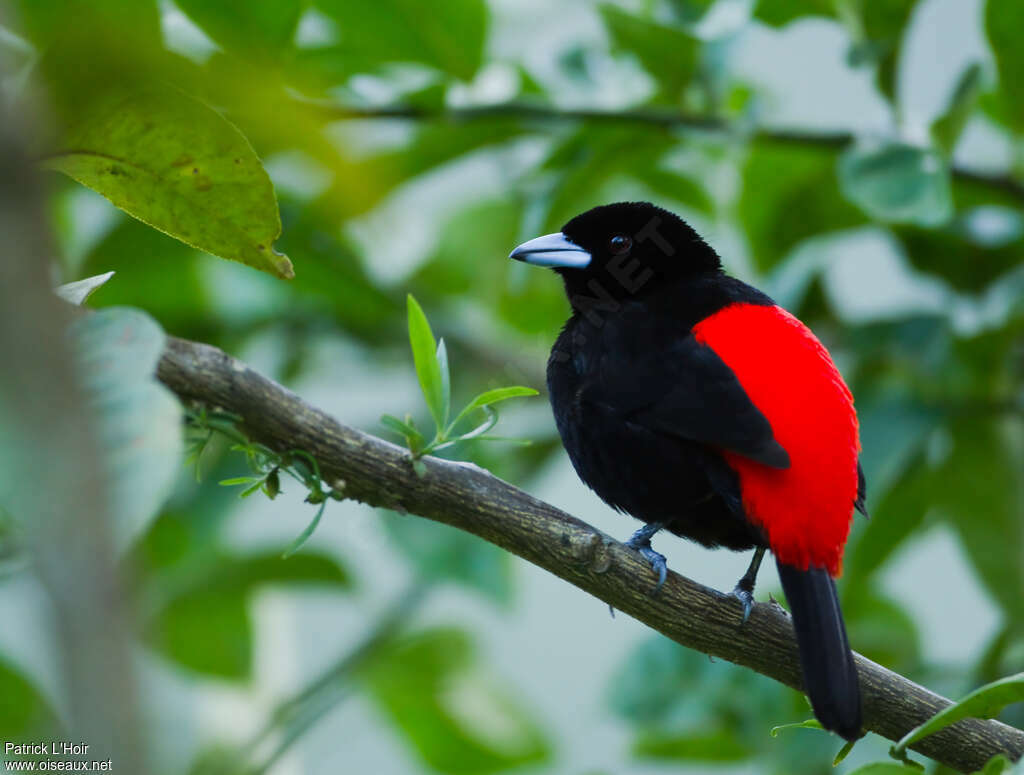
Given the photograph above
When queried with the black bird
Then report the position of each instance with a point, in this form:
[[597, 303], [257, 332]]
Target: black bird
[[689, 400]]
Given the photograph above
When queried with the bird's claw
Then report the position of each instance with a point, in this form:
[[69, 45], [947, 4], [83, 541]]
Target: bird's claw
[[658, 564], [641, 542], [746, 598]]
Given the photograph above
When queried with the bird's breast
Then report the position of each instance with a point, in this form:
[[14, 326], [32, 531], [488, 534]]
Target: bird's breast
[[646, 474]]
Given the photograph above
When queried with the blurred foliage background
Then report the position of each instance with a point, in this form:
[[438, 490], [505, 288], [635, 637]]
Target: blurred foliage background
[[861, 161]]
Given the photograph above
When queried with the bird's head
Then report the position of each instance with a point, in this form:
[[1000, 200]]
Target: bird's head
[[621, 250]]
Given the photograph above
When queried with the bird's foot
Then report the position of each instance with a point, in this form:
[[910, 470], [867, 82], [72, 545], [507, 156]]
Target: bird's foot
[[641, 542], [744, 589], [658, 564], [746, 597]]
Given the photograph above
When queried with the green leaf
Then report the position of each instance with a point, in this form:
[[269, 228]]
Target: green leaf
[[138, 419], [780, 12], [977, 490], [447, 35], [25, 714], [446, 383], [885, 768], [489, 397], [653, 680], [662, 685], [478, 432], [176, 164], [843, 752], [691, 11], [183, 535], [413, 437], [239, 480], [1003, 21], [80, 290], [515, 441], [668, 54], [205, 625], [495, 395], [208, 631], [897, 183], [678, 701], [810, 723], [256, 27], [790, 194], [995, 766], [333, 279], [895, 518], [447, 554], [454, 716], [716, 746], [392, 422], [48, 21], [884, 23], [892, 430], [220, 759], [953, 254], [251, 572], [306, 534], [883, 630], [984, 702], [251, 489], [424, 355], [948, 127]]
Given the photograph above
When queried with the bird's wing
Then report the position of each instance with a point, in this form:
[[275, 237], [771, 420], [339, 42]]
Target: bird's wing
[[688, 391]]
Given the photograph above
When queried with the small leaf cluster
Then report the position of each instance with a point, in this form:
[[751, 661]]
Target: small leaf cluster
[[431, 360], [266, 465]]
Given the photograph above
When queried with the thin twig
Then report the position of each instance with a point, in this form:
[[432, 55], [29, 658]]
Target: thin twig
[[651, 117]]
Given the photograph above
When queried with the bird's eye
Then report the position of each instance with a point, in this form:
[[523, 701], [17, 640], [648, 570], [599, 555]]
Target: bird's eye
[[620, 244]]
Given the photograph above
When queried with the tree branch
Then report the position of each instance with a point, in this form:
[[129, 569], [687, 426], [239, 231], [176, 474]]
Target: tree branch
[[378, 473], [651, 117]]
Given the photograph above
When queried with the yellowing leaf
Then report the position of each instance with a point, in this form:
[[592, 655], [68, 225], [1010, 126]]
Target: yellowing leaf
[[179, 166]]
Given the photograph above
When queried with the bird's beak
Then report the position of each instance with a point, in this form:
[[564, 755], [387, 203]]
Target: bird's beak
[[552, 250]]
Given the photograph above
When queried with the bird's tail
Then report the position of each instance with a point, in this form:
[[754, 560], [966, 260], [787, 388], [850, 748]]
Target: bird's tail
[[830, 676]]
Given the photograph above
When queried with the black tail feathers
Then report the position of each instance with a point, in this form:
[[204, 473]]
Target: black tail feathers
[[830, 676]]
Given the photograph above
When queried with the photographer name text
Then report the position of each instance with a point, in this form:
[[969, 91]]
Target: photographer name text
[[52, 748]]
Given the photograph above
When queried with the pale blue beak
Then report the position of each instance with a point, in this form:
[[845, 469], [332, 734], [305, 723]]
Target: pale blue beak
[[552, 250]]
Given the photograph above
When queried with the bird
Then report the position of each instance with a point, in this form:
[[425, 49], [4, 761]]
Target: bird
[[691, 401]]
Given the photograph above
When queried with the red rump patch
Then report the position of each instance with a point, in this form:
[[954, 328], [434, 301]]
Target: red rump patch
[[806, 509]]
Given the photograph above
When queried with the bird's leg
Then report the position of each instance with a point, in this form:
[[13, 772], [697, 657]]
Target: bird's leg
[[744, 589], [641, 541]]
